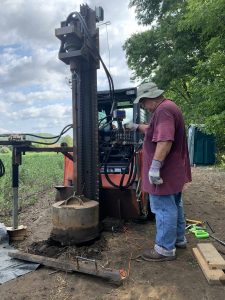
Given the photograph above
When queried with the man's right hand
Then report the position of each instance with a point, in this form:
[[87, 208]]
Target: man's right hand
[[154, 172], [131, 126]]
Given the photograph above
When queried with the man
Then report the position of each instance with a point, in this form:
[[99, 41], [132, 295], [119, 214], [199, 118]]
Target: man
[[166, 169]]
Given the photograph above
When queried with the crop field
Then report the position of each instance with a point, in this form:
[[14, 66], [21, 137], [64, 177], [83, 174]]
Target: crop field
[[38, 174]]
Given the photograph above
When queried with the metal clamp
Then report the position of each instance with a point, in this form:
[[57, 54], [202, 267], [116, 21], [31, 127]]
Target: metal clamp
[[88, 260]]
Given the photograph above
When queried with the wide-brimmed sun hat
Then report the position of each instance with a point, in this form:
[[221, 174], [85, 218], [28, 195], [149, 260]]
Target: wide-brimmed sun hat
[[148, 90]]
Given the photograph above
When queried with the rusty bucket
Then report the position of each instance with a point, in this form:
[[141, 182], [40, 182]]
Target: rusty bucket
[[75, 220]]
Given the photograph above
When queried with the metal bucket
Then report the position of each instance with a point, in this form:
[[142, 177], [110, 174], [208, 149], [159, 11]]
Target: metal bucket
[[75, 221]]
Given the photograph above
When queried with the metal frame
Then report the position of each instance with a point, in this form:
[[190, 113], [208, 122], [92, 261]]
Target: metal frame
[[19, 148], [78, 34]]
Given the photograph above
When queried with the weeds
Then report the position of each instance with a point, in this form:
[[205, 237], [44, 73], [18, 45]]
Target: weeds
[[38, 173]]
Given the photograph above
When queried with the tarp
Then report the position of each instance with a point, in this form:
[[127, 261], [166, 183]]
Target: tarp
[[11, 268]]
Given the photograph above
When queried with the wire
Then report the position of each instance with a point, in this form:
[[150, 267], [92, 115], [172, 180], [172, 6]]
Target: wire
[[34, 135], [132, 172], [105, 125], [132, 165], [100, 121], [64, 130], [62, 133], [56, 138]]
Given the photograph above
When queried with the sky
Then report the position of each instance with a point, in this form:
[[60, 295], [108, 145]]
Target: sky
[[35, 95]]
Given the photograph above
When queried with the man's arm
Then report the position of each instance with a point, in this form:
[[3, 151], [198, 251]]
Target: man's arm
[[142, 127], [163, 136], [135, 126], [162, 150]]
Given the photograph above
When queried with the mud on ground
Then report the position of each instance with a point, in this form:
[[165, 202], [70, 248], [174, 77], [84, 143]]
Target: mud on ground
[[204, 199]]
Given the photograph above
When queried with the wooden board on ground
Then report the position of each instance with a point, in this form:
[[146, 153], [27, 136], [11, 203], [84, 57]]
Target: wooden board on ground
[[81, 265], [212, 276], [211, 256]]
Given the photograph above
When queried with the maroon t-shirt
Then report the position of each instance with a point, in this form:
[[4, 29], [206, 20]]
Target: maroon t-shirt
[[167, 124]]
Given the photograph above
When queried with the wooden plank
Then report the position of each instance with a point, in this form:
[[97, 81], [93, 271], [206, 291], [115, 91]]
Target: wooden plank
[[82, 265], [213, 276], [211, 256]]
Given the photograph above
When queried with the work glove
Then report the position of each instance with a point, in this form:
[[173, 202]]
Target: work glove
[[154, 172], [131, 126]]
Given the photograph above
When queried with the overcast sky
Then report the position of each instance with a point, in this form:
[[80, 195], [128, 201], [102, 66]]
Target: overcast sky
[[34, 93]]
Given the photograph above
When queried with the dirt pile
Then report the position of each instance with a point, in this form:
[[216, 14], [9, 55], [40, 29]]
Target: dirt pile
[[50, 248]]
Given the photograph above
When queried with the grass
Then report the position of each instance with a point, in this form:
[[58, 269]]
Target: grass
[[39, 172]]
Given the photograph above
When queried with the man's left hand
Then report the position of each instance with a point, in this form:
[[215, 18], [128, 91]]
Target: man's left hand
[[131, 126], [154, 172]]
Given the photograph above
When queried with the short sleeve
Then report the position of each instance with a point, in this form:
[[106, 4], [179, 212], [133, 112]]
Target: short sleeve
[[164, 126]]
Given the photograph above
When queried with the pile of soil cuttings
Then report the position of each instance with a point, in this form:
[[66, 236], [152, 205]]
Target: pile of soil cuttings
[[50, 248], [91, 250], [47, 248]]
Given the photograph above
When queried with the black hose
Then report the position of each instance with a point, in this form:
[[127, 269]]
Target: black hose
[[51, 137], [40, 136], [2, 168], [64, 130], [62, 133], [121, 180], [57, 137], [96, 52], [129, 183], [132, 174], [105, 169], [100, 121], [131, 162], [108, 178]]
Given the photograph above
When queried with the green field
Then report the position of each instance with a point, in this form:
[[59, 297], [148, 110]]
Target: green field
[[39, 173]]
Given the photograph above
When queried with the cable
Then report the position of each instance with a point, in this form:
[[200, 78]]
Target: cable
[[105, 125], [96, 52], [57, 137], [38, 136], [64, 130], [2, 168], [52, 137], [132, 170], [100, 121], [132, 173], [43, 143]]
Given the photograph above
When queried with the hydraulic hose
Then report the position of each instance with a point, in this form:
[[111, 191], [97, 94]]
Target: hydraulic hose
[[56, 138], [95, 51], [132, 173], [64, 130], [2, 168]]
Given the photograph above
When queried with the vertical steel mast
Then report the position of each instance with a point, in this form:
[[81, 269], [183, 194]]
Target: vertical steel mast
[[79, 49]]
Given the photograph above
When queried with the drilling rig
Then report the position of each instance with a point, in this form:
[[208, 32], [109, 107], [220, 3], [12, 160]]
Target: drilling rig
[[103, 169]]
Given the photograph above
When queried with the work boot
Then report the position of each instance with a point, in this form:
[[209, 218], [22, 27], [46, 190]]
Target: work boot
[[152, 255], [181, 246]]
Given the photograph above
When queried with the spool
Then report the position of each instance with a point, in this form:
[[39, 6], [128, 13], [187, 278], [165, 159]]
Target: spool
[[75, 221]]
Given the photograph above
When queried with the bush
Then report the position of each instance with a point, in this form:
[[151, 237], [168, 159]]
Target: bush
[[5, 149]]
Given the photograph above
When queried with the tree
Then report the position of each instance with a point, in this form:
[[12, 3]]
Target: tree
[[162, 53], [183, 52], [207, 18]]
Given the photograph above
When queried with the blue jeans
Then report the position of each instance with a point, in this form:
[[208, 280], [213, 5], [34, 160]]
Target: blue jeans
[[170, 222]]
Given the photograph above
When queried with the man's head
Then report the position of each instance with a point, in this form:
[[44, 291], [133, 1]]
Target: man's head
[[149, 96]]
